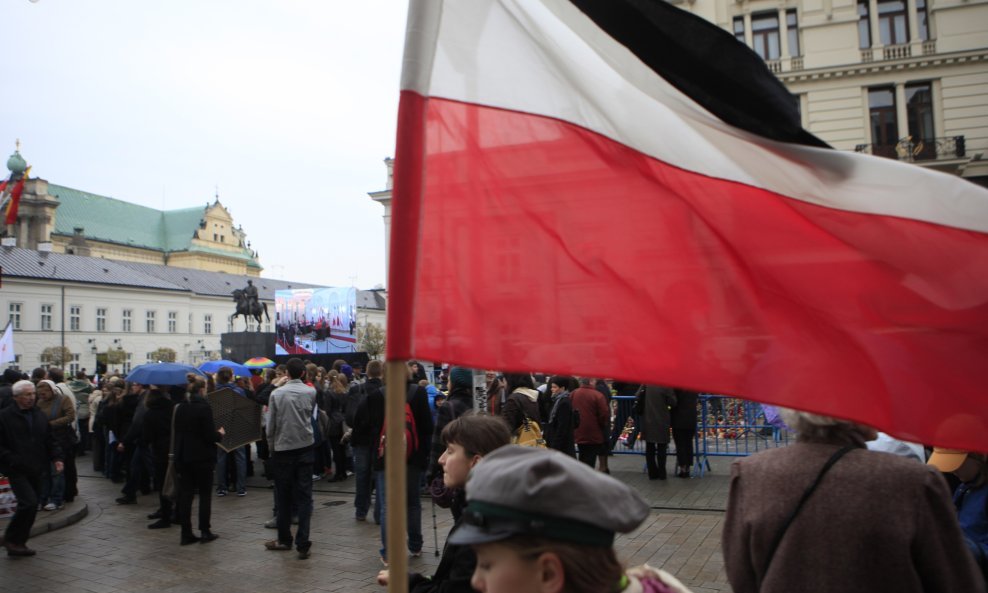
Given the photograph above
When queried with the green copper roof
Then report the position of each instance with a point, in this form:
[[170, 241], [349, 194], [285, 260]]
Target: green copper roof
[[108, 219], [116, 221]]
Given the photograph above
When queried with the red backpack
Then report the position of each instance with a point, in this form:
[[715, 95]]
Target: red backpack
[[411, 436]]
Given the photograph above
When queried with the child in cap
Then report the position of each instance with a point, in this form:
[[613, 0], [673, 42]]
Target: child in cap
[[970, 497], [541, 521]]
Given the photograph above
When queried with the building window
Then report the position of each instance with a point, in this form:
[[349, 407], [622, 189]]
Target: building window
[[75, 315], [792, 32], [892, 29], [765, 35], [924, 20], [919, 117], [46, 318], [884, 127], [128, 362], [739, 28], [14, 315], [125, 325], [207, 323], [150, 322], [864, 25], [101, 319], [172, 322], [74, 365]]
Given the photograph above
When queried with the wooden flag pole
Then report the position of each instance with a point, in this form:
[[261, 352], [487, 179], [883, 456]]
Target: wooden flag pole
[[396, 379]]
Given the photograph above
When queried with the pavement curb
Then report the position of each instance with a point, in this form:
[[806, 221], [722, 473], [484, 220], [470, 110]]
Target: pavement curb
[[52, 520]]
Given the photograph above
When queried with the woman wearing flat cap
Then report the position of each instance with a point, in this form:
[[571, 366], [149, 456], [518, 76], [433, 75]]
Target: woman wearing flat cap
[[826, 514], [542, 522], [970, 497]]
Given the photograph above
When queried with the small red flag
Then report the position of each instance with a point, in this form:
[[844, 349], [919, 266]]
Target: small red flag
[[15, 197]]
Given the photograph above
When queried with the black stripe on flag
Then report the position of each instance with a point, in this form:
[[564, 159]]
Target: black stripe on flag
[[706, 63]]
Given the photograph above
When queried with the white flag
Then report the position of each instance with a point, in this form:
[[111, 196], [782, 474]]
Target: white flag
[[7, 345]]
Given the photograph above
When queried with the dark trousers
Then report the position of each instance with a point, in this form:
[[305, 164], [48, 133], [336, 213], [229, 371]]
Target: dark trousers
[[164, 503], [71, 478], [26, 489], [655, 460], [293, 488], [339, 459], [140, 470], [588, 453], [99, 451], [195, 478], [683, 438]]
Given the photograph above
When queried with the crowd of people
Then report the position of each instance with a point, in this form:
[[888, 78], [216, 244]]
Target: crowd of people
[[525, 477]]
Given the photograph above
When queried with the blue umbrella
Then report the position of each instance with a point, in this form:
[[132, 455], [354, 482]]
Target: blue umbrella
[[211, 366], [162, 373]]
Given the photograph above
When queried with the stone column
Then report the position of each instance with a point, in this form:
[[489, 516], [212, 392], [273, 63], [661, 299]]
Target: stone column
[[783, 35]]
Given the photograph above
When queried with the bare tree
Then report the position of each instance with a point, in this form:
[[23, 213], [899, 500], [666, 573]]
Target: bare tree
[[58, 356], [372, 339], [163, 354]]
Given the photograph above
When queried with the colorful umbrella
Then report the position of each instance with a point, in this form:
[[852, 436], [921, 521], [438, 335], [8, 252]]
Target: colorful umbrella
[[259, 362], [211, 366]]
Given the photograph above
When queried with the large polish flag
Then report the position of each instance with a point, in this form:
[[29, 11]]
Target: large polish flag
[[617, 188]]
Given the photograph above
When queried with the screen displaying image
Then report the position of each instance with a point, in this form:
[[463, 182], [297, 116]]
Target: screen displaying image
[[316, 320]]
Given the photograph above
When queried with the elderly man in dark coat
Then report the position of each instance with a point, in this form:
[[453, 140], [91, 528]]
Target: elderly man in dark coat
[[27, 447]]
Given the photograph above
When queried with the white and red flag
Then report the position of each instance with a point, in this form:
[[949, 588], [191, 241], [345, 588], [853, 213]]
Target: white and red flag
[[618, 188]]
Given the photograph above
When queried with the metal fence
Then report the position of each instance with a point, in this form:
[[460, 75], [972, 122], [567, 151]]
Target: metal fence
[[726, 427]]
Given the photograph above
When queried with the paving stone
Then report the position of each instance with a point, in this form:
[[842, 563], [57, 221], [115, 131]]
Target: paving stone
[[108, 549]]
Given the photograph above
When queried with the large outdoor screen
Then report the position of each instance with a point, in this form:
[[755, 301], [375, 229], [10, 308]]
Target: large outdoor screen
[[316, 320]]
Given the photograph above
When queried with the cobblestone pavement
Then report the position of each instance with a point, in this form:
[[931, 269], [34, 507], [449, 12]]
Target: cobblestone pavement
[[111, 551]]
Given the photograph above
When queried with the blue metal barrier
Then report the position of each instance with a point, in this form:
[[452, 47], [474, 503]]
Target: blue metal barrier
[[726, 427], [732, 427]]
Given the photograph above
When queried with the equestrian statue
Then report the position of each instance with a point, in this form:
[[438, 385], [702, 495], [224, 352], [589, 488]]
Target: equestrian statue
[[249, 305]]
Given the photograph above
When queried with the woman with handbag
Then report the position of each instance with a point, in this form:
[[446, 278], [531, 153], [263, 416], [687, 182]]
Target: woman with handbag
[[157, 436], [826, 514], [468, 439]]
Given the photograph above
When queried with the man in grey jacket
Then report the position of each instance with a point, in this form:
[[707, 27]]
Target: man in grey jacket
[[289, 429]]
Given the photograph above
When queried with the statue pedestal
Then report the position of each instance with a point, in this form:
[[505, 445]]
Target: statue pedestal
[[240, 346]]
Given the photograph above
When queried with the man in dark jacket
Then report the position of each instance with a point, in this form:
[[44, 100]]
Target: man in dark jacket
[[195, 455], [418, 401], [27, 447], [157, 437], [683, 416], [368, 418]]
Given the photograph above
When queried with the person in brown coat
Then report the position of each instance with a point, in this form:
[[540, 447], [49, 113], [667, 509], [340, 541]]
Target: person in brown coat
[[595, 423], [874, 522]]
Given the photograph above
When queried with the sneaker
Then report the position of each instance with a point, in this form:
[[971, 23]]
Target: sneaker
[[277, 546], [221, 493], [316, 477], [303, 554], [271, 523], [417, 554], [127, 500], [361, 518], [241, 493], [49, 507]]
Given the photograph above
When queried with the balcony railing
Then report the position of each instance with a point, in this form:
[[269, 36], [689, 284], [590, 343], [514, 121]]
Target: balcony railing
[[912, 149], [899, 51]]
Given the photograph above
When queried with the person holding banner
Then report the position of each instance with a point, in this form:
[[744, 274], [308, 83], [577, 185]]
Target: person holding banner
[[27, 447]]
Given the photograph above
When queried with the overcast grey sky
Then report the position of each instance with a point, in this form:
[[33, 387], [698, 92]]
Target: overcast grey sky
[[288, 106]]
